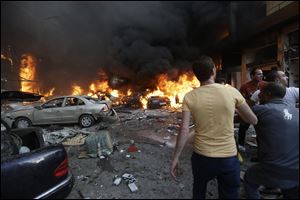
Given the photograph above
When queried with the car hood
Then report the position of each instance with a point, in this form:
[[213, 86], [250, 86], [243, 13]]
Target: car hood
[[29, 107]]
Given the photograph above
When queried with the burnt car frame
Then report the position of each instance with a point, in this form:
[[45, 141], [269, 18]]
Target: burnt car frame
[[155, 102]]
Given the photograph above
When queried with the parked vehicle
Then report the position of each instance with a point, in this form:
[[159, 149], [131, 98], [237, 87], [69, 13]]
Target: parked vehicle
[[19, 96], [14, 100], [84, 110], [29, 169], [155, 102]]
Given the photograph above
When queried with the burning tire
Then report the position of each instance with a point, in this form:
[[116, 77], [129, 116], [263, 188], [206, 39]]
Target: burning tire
[[22, 122], [86, 121]]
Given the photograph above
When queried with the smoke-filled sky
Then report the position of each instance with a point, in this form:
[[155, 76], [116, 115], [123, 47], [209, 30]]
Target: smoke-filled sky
[[73, 41]]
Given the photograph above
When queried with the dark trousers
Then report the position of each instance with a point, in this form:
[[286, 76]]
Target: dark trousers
[[226, 170], [257, 175], [242, 132]]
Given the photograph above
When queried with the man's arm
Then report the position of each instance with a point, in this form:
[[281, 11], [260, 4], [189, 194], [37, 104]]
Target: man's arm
[[254, 99], [246, 114], [182, 138]]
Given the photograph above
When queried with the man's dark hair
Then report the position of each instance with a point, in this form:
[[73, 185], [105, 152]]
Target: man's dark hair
[[272, 75], [253, 71], [276, 90], [203, 68]]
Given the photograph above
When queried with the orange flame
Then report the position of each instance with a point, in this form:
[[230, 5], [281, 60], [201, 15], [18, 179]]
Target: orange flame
[[76, 89], [174, 90], [27, 73], [48, 94], [129, 92]]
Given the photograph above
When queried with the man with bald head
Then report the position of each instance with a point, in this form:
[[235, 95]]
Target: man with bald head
[[277, 133], [292, 93]]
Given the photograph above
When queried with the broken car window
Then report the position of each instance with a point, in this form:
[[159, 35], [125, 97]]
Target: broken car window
[[55, 103]]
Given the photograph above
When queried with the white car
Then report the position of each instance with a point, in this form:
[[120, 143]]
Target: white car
[[84, 110]]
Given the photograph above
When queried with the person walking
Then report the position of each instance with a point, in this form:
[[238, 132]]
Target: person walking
[[212, 107]]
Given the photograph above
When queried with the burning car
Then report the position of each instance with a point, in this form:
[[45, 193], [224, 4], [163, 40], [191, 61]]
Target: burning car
[[155, 102], [84, 110], [29, 169]]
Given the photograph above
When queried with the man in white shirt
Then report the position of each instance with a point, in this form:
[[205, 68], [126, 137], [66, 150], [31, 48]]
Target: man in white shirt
[[292, 93]]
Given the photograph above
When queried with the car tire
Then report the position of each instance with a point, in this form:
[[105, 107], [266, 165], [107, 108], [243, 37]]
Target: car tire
[[86, 121], [22, 122]]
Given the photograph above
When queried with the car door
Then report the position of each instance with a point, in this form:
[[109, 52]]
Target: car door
[[50, 112], [72, 110]]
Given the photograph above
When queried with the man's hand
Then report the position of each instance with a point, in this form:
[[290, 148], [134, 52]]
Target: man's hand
[[175, 171], [182, 138]]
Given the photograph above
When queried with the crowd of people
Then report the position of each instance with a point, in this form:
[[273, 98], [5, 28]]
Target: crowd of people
[[270, 106]]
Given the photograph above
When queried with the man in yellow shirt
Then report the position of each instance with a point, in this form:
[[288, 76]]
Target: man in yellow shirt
[[212, 107]]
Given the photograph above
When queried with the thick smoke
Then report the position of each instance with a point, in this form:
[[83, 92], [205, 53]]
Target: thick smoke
[[73, 41]]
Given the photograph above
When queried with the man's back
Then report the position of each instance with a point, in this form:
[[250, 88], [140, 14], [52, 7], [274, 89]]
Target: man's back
[[278, 134], [212, 107]]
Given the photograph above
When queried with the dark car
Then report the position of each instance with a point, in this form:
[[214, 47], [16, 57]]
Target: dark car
[[19, 96], [29, 169], [155, 102]]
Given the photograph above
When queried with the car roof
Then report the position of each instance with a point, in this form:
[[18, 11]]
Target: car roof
[[77, 96]]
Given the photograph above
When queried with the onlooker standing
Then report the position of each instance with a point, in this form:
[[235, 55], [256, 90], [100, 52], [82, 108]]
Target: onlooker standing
[[247, 90], [277, 133], [292, 93], [212, 106]]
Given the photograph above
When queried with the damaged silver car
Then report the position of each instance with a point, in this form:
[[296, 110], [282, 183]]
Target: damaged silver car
[[83, 110]]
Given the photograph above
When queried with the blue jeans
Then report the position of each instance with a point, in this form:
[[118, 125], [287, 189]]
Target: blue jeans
[[226, 170], [258, 175]]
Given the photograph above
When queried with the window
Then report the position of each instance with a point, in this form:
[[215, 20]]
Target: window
[[55, 103], [80, 102], [72, 101]]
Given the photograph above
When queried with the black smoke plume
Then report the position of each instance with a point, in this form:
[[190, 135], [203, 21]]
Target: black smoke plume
[[73, 41]]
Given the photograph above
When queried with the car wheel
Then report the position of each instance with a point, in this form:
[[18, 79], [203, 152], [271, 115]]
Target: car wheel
[[22, 122], [86, 121]]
